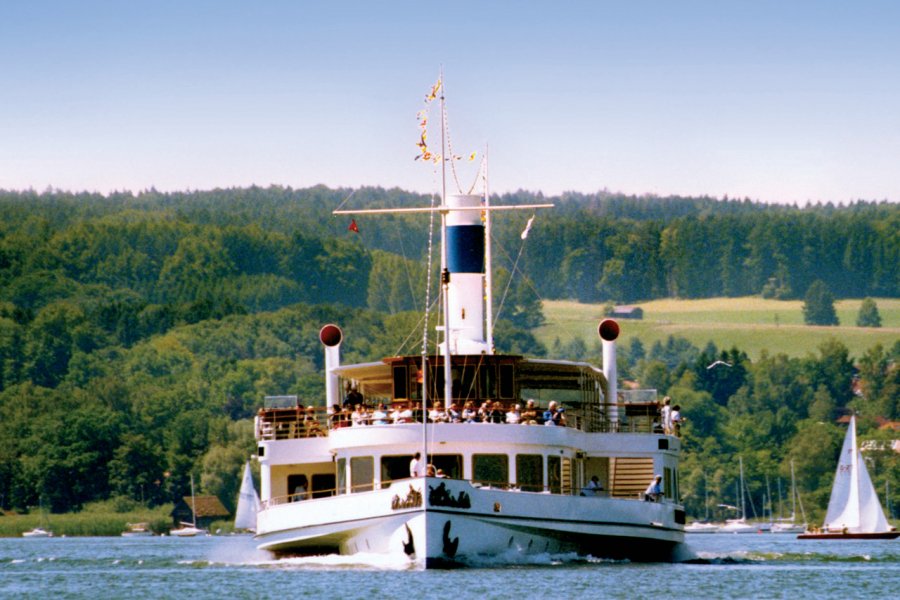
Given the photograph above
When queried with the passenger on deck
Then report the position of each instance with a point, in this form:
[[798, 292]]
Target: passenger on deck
[[453, 413], [360, 417], [380, 415], [301, 492], [415, 465], [429, 470], [514, 416], [311, 423], [353, 397], [438, 414], [530, 414], [654, 490], [677, 420], [593, 487], [469, 414], [553, 416], [404, 416], [665, 414], [495, 412]]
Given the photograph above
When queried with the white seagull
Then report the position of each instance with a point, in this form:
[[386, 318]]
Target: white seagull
[[717, 363]]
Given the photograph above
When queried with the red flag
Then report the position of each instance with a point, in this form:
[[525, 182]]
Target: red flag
[[353, 227]]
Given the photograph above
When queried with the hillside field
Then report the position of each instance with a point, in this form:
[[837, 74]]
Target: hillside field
[[752, 324]]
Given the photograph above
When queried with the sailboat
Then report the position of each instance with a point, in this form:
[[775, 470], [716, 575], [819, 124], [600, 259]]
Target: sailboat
[[703, 526], [739, 525], [41, 531], [790, 525], [248, 503], [854, 511], [189, 529]]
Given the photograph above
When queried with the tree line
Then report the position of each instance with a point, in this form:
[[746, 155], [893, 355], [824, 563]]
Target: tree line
[[139, 332]]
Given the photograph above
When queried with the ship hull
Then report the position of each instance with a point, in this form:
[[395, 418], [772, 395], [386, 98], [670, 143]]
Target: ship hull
[[443, 523]]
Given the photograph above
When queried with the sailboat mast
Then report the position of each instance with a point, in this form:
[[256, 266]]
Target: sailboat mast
[[743, 510], [193, 507]]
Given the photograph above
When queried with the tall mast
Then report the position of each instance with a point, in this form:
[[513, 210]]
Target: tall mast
[[743, 511], [445, 273], [488, 277]]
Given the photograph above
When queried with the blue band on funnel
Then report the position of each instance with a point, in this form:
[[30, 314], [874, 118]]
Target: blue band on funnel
[[465, 248]]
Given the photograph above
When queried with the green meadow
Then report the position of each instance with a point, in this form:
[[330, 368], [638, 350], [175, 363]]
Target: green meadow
[[752, 324]]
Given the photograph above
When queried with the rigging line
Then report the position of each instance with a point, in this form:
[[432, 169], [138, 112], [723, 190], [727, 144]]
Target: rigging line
[[515, 269], [413, 330], [345, 200], [522, 273], [409, 281]]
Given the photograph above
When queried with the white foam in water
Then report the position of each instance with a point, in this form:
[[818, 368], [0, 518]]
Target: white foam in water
[[381, 562]]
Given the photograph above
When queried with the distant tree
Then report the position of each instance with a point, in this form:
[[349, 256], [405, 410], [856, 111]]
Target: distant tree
[[818, 305], [868, 314]]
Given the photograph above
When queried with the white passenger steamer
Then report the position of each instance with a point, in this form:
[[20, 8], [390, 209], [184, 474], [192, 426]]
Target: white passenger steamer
[[505, 491]]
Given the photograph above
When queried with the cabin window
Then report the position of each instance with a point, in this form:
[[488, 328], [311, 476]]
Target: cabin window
[[450, 464], [530, 472], [667, 482], [464, 383], [487, 381], [362, 474], [507, 382], [394, 468], [490, 469], [401, 382], [342, 476], [554, 474], [323, 485]]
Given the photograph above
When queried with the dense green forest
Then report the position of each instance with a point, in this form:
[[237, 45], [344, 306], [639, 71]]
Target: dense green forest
[[139, 332]]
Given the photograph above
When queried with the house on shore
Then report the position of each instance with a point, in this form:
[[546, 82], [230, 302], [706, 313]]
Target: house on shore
[[209, 509]]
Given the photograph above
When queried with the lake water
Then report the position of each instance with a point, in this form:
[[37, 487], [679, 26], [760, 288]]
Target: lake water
[[727, 566]]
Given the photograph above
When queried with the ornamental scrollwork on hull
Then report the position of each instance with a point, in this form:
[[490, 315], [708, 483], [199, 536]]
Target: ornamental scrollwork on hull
[[441, 496], [413, 500]]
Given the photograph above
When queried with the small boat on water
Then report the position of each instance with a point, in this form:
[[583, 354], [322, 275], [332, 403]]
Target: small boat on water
[[740, 524], [790, 524], [37, 532], [702, 527], [854, 511], [189, 529], [41, 531], [468, 453], [138, 530]]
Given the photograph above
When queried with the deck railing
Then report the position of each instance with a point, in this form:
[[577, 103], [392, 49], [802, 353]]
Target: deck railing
[[299, 422]]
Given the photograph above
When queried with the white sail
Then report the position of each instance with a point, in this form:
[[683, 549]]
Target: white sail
[[248, 503], [854, 505]]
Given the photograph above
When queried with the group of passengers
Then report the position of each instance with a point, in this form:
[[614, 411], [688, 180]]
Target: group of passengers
[[357, 414]]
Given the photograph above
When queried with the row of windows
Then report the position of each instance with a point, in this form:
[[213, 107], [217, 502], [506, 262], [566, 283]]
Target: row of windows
[[487, 469]]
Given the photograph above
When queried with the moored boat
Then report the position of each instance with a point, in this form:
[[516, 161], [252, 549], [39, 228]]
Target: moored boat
[[702, 527], [138, 530], [854, 511], [468, 452]]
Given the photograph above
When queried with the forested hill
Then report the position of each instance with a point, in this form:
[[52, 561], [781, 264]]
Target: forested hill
[[138, 333], [594, 248]]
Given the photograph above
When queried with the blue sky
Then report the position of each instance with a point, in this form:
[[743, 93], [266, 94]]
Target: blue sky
[[777, 101]]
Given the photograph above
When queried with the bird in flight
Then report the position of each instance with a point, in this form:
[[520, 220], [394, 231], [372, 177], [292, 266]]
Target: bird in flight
[[717, 363]]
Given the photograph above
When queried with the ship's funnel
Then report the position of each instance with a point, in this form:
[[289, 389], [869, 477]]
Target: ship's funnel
[[465, 263], [331, 336], [609, 331]]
